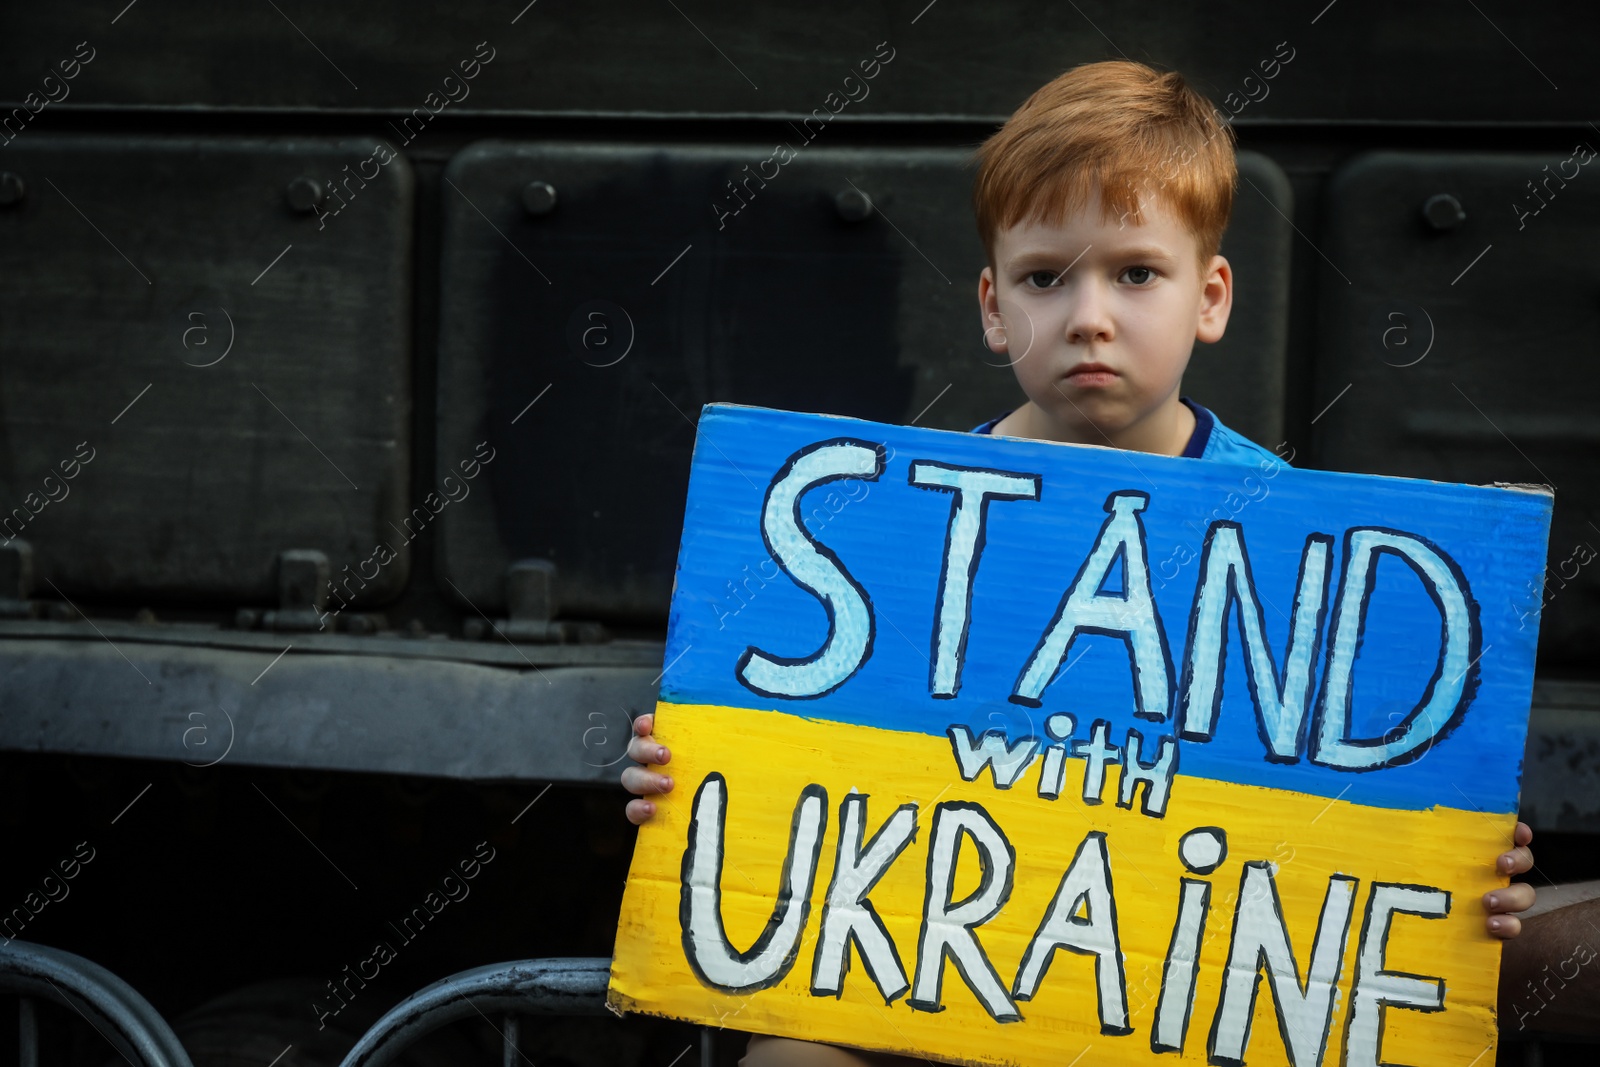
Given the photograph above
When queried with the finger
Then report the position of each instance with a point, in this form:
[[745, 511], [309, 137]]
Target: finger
[[640, 782], [1523, 835], [640, 811], [1517, 861], [647, 750], [1516, 897], [644, 724], [1504, 926]]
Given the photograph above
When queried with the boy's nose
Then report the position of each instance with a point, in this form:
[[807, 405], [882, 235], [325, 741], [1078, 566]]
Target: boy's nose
[[1089, 317]]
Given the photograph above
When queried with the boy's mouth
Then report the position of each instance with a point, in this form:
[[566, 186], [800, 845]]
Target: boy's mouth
[[1090, 374]]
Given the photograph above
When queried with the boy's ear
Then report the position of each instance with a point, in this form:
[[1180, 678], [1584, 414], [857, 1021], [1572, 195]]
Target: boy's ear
[[994, 334], [1216, 301]]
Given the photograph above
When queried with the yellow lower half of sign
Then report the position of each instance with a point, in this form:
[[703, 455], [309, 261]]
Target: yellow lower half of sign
[[1303, 854]]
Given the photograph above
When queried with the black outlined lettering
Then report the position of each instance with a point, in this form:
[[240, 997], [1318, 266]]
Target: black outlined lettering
[[1281, 700], [1086, 885], [948, 926], [1005, 761], [1099, 751], [963, 545], [1181, 967], [1455, 676], [1376, 988], [705, 941], [814, 567], [1261, 940], [848, 916], [1130, 615]]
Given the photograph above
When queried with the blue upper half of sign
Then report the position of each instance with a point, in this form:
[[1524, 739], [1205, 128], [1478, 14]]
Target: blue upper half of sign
[[1334, 634]]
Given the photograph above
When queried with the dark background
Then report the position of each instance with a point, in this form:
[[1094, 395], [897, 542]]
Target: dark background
[[371, 357]]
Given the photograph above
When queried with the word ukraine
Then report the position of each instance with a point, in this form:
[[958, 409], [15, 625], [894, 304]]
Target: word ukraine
[[969, 728]]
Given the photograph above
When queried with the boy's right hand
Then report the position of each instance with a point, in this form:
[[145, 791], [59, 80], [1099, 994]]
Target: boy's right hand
[[639, 779]]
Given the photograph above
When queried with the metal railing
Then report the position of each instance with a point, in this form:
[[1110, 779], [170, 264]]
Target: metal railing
[[504, 990], [124, 1018]]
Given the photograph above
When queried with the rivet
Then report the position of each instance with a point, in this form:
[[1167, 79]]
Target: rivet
[[539, 198], [1443, 211], [11, 188], [304, 194], [852, 205]]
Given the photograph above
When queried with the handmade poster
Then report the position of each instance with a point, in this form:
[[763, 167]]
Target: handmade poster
[[1013, 752]]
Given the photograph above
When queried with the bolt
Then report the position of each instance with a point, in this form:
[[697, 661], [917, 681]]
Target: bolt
[[304, 194], [539, 198], [1443, 211], [11, 188], [852, 205]]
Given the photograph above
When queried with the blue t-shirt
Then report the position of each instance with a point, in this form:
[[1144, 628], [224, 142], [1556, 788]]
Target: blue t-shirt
[[1210, 440]]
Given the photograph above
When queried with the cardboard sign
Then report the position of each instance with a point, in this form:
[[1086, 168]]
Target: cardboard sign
[[1012, 752]]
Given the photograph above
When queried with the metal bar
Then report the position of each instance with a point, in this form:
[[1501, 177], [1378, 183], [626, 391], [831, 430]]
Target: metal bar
[[508, 1049], [85, 989], [708, 1047], [27, 1034], [526, 987]]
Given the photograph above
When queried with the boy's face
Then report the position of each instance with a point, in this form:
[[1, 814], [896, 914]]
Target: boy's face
[[1099, 319]]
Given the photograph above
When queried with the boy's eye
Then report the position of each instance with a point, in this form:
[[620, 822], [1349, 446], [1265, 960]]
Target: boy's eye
[[1043, 279], [1139, 275]]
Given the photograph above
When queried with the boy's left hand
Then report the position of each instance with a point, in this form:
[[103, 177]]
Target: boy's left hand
[[1516, 897]]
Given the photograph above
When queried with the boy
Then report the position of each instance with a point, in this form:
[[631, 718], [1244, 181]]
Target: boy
[[1101, 204]]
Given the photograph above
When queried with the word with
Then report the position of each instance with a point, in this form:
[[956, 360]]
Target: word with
[[1573, 958], [453, 889], [1270, 68], [1583, 549], [1007, 762], [1081, 917], [383, 154], [33, 103], [33, 503], [784, 153], [1183, 553], [831, 505], [384, 553], [34, 903], [1578, 150], [433, 103], [1283, 701]]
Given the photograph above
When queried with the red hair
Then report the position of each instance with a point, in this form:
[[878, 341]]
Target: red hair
[[1117, 124]]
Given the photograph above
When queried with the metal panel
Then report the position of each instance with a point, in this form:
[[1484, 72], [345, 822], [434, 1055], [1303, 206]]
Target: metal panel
[[334, 712], [1352, 59], [1461, 349], [642, 294], [1561, 765], [236, 371]]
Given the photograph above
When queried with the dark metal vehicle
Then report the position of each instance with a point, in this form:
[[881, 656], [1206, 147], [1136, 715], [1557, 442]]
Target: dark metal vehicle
[[350, 358]]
